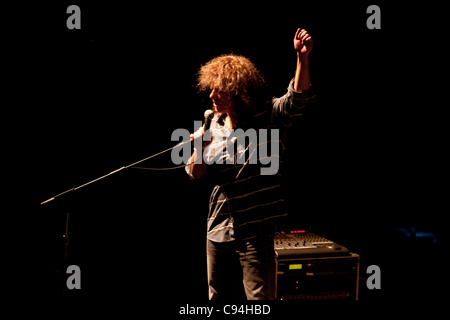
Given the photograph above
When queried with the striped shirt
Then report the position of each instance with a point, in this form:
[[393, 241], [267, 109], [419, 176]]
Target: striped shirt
[[246, 197]]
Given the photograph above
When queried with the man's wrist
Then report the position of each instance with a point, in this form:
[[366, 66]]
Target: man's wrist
[[302, 57]]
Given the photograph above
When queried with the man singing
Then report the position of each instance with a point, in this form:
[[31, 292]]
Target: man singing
[[246, 202]]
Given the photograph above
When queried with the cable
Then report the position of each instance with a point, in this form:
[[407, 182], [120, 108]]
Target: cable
[[157, 154], [172, 168], [156, 169]]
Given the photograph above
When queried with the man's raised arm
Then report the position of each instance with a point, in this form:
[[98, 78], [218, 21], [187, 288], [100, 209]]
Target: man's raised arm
[[303, 44]]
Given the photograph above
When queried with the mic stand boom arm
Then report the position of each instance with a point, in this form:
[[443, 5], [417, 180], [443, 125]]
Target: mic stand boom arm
[[73, 189], [112, 172]]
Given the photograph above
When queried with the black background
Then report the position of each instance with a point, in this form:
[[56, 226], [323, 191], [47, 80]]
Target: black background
[[364, 162]]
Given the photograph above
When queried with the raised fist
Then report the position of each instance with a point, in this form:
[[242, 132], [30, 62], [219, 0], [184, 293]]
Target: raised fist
[[303, 42]]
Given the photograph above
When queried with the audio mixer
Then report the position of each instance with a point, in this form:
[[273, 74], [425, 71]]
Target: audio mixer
[[300, 243]]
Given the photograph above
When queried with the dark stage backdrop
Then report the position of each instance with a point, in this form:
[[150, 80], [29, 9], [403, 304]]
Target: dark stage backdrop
[[361, 165]]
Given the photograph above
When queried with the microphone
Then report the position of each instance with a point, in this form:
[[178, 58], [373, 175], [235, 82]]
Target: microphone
[[209, 114]]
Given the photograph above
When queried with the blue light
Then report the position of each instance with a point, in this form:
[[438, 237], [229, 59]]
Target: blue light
[[411, 232]]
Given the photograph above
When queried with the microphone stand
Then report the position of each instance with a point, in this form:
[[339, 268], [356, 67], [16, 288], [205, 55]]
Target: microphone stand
[[66, 235]]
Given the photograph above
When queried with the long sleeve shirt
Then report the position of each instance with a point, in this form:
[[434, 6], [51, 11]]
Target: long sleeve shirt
[[244, 169]]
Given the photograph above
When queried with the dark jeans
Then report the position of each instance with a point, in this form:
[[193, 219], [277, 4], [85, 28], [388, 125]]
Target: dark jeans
[[240, 270]]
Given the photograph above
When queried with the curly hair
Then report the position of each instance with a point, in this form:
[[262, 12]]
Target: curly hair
[[233, 74]]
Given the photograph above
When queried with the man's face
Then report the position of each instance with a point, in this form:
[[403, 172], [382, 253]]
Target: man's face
[[222, 101]]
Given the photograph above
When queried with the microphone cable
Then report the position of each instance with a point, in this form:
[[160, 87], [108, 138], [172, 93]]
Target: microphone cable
[[157, 154]]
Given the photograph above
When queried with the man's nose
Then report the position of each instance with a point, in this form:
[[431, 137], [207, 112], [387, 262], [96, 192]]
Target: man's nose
[[213, 94]]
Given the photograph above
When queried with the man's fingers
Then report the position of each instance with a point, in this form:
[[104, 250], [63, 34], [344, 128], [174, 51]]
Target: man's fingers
[[197, 134]]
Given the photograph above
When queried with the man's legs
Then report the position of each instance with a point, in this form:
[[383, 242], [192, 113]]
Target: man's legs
[[257, 257], [224, 271]]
